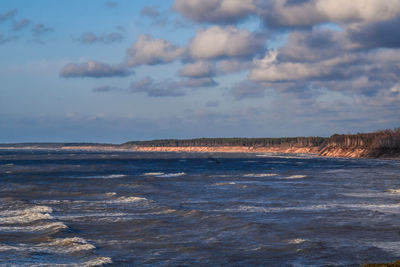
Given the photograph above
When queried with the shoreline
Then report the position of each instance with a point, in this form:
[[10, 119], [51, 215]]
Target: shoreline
[[333, 152]]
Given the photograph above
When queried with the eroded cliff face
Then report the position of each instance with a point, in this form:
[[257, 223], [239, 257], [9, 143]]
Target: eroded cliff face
[[349, 152], [272, 149]]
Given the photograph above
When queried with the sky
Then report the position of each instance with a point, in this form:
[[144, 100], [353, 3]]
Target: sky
[[113, 71]]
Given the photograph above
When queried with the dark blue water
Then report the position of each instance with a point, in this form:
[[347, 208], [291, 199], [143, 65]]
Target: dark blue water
[[177, 209]]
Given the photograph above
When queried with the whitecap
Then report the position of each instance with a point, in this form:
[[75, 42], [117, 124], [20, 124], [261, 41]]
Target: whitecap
[[296, 177], [152, 173], [260, 175], [224, 183], [394, 191], [393, 247], [296, 241], [25, 218], [52, 226], [171, 175], [128, 200], [97, 261]]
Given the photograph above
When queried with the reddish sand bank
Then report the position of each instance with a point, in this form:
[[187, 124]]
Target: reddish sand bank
[[274, 149]]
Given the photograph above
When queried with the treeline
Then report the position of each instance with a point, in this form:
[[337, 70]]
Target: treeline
[[379, 143], [246, 142]]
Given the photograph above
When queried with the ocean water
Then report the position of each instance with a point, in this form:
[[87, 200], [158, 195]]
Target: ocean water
[[179, 209]]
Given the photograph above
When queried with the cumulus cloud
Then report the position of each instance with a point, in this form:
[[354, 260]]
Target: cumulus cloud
[[218, 42], [150, 51], [198, 69], [311, 12], [94, 69], [215, 11], [106, 38], [376, 35], [8, 15], [150, 11]]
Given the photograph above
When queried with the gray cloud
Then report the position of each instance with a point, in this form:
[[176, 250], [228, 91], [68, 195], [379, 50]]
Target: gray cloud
[[8, 15], [18, 25], [149, 51], [107, 38], [197, 69], [106, 88], [247, 89], [215, 11], [376, 35], [198, 82], [150, 11], [94, 69], [39, 29], [165, 88], [307, 13], [226, 42]]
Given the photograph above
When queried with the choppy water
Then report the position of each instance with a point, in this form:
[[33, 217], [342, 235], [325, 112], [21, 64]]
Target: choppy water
[[168, 209]]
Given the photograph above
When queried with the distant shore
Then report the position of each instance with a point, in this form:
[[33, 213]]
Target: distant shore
[[380, 144]]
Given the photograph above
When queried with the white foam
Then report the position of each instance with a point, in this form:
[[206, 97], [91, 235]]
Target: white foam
[[111, 176], [296, 241], [97, 261], [128, 199], [394, 191], [393, 247], [296, 176], [260, 175], [224, 183], [35, 228], [26, 215], [59, 246], [152, 173], [110, 194], [25, 218], [258, 209], [172, 174]]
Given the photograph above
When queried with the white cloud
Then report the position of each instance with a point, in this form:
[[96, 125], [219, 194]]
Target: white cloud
[[217, 11], [150, 51], [198, 69], [216, 42]]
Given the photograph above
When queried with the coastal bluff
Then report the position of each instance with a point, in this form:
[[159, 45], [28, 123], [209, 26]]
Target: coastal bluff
[[379, 144]]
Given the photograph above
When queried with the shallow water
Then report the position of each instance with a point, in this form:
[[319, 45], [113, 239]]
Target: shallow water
[[162, 209]]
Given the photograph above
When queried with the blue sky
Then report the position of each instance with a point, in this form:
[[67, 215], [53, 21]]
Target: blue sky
[[114, 71]]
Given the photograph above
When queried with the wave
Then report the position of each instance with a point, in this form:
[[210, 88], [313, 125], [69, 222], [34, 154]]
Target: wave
[[394, 191], [223, 183], [109, 176], [59, 246], [48, 227], [296, 176], [128, 200], [152, 173], [260, 174], [97, 261], [296, 241], [27, 215], [171, 175]]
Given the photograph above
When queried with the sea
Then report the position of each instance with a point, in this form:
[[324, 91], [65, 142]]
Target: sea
[[77, 208]]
